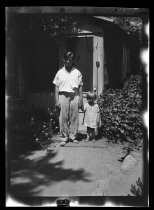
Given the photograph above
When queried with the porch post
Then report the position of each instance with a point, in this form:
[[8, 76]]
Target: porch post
[[101, 66], [98, 72], [94, 62]]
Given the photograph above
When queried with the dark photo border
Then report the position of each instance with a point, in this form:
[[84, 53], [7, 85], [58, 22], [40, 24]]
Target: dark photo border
[[91, 201]]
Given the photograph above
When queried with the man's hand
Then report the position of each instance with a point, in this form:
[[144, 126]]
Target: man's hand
[[82, 108], [57, 107], [80, 97], [57, 104], [80, 103]]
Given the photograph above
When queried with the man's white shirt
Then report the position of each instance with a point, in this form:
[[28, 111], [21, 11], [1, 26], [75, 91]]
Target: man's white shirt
[[68, 81]]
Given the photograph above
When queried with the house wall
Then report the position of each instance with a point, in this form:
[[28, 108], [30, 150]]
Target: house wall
[[33, 62]]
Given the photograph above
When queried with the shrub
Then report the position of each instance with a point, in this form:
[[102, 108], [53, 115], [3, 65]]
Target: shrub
[[121, 112], [137, 191], [31, 131]]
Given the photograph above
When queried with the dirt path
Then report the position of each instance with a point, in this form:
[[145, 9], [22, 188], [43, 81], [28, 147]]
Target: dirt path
[[84, 169]]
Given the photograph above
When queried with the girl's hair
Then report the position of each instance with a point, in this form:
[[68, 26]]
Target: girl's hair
[[91, 95]]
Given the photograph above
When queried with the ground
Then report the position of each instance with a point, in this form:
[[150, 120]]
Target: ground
[[84, 169]]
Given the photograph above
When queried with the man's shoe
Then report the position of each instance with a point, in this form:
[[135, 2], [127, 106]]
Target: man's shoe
[[74, 141], [87, 139], [63, 143]]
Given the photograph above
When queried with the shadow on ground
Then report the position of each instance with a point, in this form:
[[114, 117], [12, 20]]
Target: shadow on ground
[[29, 173]]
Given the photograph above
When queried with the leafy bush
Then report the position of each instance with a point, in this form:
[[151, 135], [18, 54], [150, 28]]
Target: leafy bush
[[137, 191], [121, 112], [30, 131]]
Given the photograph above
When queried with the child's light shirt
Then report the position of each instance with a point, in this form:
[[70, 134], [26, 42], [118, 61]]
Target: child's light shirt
[[91, 115], [68, 81]]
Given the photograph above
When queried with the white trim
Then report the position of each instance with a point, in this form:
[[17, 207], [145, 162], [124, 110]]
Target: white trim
[[105, 18]]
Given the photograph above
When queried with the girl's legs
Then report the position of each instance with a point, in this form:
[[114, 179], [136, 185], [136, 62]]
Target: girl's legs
[[90, 134], [93, 135]]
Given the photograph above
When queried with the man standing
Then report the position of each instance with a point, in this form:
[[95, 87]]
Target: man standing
[[68, 98]]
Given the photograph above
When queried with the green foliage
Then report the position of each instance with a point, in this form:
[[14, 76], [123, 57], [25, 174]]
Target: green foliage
[[33, 131], [137, 191], [55, 25], [131, 25], [121, 112]]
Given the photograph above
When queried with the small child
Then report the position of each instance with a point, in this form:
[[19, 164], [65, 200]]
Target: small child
[[91, 116]]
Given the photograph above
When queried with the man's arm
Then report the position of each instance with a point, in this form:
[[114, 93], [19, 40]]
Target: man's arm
[[56, 95], [80, 96]]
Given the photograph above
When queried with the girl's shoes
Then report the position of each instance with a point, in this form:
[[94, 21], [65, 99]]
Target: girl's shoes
[[62, 143], [75, 141], [87, 139]]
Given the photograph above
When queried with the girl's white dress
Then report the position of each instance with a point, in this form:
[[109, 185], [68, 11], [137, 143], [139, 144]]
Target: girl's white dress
[[91, 115]]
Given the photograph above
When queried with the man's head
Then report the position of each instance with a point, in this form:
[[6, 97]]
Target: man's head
[[68, 59]]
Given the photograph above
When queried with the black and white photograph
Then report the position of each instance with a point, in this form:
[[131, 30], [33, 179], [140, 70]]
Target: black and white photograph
[[77, 106]]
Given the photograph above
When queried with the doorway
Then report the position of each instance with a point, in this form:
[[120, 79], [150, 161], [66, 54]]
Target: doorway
[[83, 49]]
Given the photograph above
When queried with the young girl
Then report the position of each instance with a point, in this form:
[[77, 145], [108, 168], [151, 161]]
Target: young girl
[[91, 116]]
